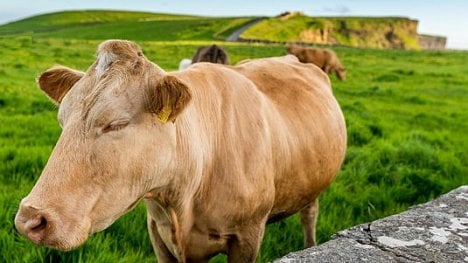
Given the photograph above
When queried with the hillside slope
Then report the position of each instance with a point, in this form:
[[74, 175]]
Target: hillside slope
[[374, 32], [94, 24], [383, 32]]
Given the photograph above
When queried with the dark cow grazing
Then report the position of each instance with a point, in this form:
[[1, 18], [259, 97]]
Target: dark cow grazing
[[213, 54], [326, 59], [216, 152]]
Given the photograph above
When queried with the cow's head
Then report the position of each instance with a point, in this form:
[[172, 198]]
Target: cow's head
[[341, 73], [117, 143], [297, 51]]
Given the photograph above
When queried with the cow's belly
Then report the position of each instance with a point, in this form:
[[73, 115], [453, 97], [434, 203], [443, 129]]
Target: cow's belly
[[288, 202], [302, 182]]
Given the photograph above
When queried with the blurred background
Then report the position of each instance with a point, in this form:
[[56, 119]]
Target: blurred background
[[446, 18]]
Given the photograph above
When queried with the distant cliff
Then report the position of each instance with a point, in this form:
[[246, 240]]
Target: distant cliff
[[373, 32], [432, 42]]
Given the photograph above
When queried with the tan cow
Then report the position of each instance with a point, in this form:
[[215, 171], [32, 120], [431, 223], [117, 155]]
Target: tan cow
[[326, 59], [215, 151]]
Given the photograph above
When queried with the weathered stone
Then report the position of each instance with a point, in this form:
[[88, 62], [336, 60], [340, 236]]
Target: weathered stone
[[433, 232], [432, 42]]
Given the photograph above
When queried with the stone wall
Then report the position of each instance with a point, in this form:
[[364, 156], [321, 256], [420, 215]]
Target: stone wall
[[433, 232], [432, 42]]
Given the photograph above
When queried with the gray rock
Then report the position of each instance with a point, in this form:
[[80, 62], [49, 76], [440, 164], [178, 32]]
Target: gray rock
[[436, 231]]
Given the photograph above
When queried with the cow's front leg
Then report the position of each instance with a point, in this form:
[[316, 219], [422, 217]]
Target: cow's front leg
[[162, 252], [244, 246]]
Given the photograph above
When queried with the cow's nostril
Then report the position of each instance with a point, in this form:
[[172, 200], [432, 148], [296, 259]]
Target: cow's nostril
[[34, 223], [41, 224], [35, 228]]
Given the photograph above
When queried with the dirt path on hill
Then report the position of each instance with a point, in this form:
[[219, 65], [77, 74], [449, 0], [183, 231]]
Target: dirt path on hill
[[234, 37]]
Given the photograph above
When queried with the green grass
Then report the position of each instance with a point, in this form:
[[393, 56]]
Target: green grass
[[63, 20], [406, 111], [123, 25]]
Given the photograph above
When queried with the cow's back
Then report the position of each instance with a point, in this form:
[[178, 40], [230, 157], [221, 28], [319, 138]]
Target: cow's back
[[316, 56], [309, 136], [272, 136]]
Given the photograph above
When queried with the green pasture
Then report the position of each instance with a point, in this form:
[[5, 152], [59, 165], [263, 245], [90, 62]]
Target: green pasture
[[123, 25], [406, 111]]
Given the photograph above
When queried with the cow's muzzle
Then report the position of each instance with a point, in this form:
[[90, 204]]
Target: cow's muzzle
[[33, 223]]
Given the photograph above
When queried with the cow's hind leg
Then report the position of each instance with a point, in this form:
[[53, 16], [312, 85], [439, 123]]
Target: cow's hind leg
[[309, 216]]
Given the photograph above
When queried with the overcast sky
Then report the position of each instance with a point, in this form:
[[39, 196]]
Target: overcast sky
[[447, 18]]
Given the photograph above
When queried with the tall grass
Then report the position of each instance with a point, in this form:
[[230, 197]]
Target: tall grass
[[407, 117]]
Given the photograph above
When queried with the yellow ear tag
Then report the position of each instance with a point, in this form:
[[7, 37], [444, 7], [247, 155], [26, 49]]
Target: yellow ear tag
[[164, 114]]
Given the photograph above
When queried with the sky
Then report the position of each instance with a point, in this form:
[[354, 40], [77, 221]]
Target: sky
[[446, 18]]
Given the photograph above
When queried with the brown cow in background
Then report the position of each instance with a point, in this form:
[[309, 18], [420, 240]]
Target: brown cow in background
[[213, 54], [326, 59]]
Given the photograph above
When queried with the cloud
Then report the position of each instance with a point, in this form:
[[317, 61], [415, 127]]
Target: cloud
[[338, 9]]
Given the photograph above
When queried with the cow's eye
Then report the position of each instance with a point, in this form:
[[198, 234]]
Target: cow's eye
[[114, 126]]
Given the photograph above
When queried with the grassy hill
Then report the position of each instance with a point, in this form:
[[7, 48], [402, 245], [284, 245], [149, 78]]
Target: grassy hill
[[406, 112], [93, 24], [375, 32]]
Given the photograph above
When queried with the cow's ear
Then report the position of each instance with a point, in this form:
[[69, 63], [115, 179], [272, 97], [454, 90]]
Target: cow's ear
[[57, 81], [168, 98]]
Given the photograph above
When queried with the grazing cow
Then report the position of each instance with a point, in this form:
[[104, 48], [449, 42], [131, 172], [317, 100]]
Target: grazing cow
[[325, 59], [213, 54], [215, 152]]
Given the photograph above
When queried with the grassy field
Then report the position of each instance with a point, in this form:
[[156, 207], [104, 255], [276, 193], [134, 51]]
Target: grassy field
[[406, 111], [123, 25]]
